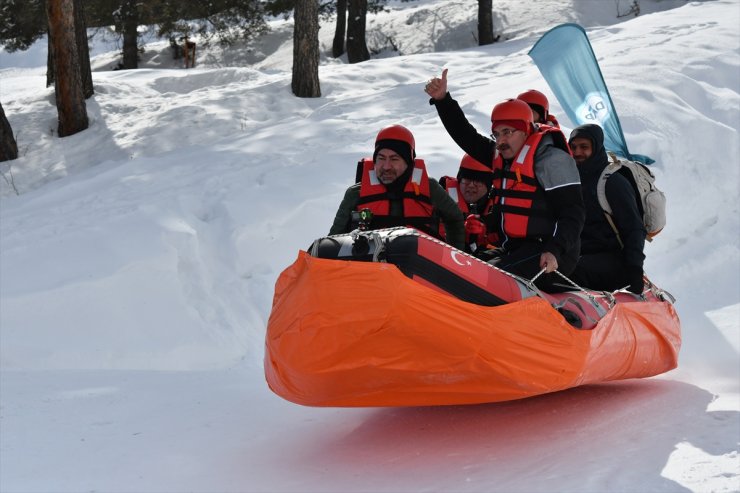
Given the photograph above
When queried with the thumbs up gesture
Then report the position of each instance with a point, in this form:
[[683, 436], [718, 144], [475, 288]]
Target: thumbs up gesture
[[436, 87]]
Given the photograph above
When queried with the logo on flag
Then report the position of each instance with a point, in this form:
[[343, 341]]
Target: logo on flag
[[594, 109]]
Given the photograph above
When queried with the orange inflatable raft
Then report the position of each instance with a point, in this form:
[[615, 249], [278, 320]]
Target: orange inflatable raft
[[397, 318]]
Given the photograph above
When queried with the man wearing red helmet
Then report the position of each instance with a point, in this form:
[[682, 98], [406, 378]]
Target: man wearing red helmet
[[538, 208], [470, 189], [540, 107], [395, 188]]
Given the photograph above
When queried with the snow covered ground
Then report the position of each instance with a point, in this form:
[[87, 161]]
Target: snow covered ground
[[138, 258]]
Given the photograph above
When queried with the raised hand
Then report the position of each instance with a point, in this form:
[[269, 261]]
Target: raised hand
[[436, 87]]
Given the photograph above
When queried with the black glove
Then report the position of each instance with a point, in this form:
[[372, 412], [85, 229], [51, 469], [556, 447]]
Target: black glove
[[635, 280]]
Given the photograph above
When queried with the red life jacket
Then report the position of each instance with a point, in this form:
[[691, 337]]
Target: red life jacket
[[557, 134], [518, 196], [452, 186], [552, 121], [417, 209]]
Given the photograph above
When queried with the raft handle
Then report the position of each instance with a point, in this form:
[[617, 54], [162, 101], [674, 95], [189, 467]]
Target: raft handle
[[610, 297]]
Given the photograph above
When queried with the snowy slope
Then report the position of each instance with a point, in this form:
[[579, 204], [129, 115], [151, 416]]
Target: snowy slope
[[137, 267]]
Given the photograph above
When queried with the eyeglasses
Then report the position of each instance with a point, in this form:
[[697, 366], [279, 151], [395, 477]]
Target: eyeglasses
[[465, 182], [504, 133]]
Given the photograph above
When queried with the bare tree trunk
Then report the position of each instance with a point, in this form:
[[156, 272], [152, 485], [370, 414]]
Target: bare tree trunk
[[356, 46], [129, 25], [83, 50], [83, 53], [305, 82], [485, 22], [49, 60], [8, 146], [337, 48], [68, 85]]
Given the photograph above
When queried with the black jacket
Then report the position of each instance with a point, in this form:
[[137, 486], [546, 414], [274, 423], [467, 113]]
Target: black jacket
[[598, 236]]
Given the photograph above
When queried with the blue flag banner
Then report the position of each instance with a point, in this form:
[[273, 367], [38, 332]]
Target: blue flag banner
[[568, 64]]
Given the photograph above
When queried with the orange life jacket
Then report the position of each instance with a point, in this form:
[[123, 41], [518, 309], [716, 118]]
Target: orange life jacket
[[416, 203], [517, 194]]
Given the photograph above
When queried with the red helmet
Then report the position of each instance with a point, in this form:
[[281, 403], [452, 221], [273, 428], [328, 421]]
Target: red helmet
[[535, 97], [472, 169], [470, 163], [538, 102], [512, 109], [397, 132]]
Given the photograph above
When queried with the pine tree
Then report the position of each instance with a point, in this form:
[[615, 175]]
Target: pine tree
[[337, 48], [485, 22], [356, 46], [70, 98], [128, 23], [305, 83]]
